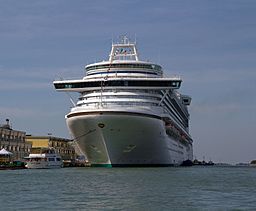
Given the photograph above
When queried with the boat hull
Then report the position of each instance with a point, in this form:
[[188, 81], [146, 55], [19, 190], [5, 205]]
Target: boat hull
[[126, 139], [43, 165]]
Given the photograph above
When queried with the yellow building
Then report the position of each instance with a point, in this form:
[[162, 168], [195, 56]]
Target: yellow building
[[61, 145]]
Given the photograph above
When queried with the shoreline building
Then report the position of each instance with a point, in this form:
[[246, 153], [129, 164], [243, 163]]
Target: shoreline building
[[61, 145], [14, 141]]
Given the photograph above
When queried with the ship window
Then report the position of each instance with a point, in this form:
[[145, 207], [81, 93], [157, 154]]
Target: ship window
[[51, 159], [68, 86]]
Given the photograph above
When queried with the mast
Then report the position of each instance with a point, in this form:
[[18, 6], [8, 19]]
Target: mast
[[123, 50]]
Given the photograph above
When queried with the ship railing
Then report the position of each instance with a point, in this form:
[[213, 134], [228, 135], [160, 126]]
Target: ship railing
[[146, 106]]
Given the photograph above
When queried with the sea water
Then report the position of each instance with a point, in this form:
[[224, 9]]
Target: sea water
[[169, 188]]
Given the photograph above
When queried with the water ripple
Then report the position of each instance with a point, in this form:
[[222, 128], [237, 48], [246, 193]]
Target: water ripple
[[195, 188]]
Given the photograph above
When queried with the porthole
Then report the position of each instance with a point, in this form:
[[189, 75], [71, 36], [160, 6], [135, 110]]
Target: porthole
[[101, 125]]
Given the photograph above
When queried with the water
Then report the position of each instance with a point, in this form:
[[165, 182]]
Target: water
[[192, 188]]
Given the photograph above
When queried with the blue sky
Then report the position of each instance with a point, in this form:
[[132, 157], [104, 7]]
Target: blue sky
[[210, 44]]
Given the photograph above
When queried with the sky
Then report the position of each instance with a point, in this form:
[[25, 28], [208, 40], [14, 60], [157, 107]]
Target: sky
[[210, 44]]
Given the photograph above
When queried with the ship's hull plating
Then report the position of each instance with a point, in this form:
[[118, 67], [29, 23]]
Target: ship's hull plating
[[109, 139]]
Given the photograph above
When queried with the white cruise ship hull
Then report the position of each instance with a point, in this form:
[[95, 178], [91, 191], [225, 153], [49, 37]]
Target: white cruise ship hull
[[128, 113], [126, 139]]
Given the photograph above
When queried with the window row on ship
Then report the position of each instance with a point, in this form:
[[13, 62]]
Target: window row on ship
[[134, 103], [111, 93], [123, 104], [176, 107], [122, 72], [121, 91], [125, 65], [180, 106], [174, 100], [118, 83], [130, 103], [175, 115], [128, 97]]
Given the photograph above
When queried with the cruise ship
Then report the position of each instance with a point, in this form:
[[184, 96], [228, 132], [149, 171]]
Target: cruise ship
[[128, 113]]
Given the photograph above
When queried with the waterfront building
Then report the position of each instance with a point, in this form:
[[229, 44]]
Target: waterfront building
[[61, 145], [14, 141]]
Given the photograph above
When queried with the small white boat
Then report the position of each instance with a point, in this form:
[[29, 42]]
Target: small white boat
[[45, 159]]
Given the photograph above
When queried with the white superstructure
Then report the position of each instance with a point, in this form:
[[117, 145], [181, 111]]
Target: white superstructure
[[128, 114], [45, 158]]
